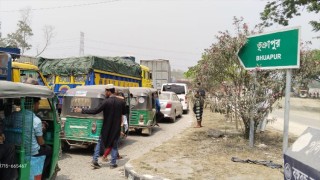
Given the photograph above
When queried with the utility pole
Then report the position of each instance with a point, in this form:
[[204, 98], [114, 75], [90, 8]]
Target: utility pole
[[81, 51]]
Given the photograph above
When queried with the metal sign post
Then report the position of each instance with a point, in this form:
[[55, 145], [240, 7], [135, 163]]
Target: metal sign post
[[286, 111]]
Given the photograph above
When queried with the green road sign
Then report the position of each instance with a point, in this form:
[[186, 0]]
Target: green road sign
[[276, 50]]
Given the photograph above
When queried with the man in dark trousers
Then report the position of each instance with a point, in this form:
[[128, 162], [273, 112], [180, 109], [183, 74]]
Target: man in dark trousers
[[113, 108]]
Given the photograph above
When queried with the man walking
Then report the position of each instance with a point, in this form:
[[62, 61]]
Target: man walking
[[113, 108]]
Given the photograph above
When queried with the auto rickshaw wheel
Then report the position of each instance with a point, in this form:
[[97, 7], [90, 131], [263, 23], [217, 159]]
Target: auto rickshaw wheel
[[138, 130], [65, 146], [147, 131]]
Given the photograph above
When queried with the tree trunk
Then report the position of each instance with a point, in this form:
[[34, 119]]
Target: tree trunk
[[246, 132]]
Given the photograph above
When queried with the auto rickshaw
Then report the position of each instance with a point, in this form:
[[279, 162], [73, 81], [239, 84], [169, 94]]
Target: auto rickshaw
[[16, 116], [83, 130], [143, 111]]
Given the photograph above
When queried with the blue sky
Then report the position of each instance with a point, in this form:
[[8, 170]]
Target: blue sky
[[178, 30]]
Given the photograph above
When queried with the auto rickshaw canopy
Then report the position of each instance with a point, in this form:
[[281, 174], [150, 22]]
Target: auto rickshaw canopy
[[138, 91], [84, 91], [98, 91], [10, 89]]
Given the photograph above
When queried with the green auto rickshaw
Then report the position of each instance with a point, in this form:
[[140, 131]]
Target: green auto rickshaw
[[142, 110], [16, 117], [83, 130]]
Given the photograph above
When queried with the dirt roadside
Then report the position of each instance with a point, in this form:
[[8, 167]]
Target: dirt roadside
[[193, 154]]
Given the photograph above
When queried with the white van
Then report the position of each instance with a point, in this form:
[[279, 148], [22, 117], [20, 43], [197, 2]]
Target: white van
[[181, 89]]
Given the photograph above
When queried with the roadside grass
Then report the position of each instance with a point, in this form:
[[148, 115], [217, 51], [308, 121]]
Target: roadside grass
[[195, 155]]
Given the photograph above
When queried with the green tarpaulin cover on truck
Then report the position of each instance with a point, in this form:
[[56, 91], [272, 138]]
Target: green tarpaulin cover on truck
[[84, 65]]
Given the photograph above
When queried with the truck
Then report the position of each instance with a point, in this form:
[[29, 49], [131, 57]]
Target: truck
[[64, 74], [160, 70], [311, 90], [13, 70]]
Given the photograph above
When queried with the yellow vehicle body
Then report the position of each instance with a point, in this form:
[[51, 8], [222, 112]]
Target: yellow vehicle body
[[100, 79], [146, 76], [23, 71]]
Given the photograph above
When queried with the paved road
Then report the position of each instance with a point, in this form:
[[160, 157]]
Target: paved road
[[76, 163], [298, 120]]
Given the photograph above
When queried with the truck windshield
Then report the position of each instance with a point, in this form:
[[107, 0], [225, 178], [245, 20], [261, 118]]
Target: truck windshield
[[25, 74]]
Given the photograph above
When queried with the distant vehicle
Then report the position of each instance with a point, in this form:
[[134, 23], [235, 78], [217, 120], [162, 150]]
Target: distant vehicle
[[181, 89], [171, 106], [71, 72], [311, 90], [161, 71]]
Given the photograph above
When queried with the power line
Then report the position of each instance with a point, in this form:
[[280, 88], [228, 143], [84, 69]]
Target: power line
[[66, 40], [61, 7], [59, 41], [139, 47], [62, 47], [133, 53], [108, 50]]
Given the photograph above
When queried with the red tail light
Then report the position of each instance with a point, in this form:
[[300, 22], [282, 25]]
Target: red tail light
[[169, 105]]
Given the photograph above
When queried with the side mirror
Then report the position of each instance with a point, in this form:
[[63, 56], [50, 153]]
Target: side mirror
[[181, 99]]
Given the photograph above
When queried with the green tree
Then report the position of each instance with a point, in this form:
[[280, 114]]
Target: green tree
[[251, 93], [280, 11], [220, 72], [177, 74], [309, 67], [2, 42], [20, 37]]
